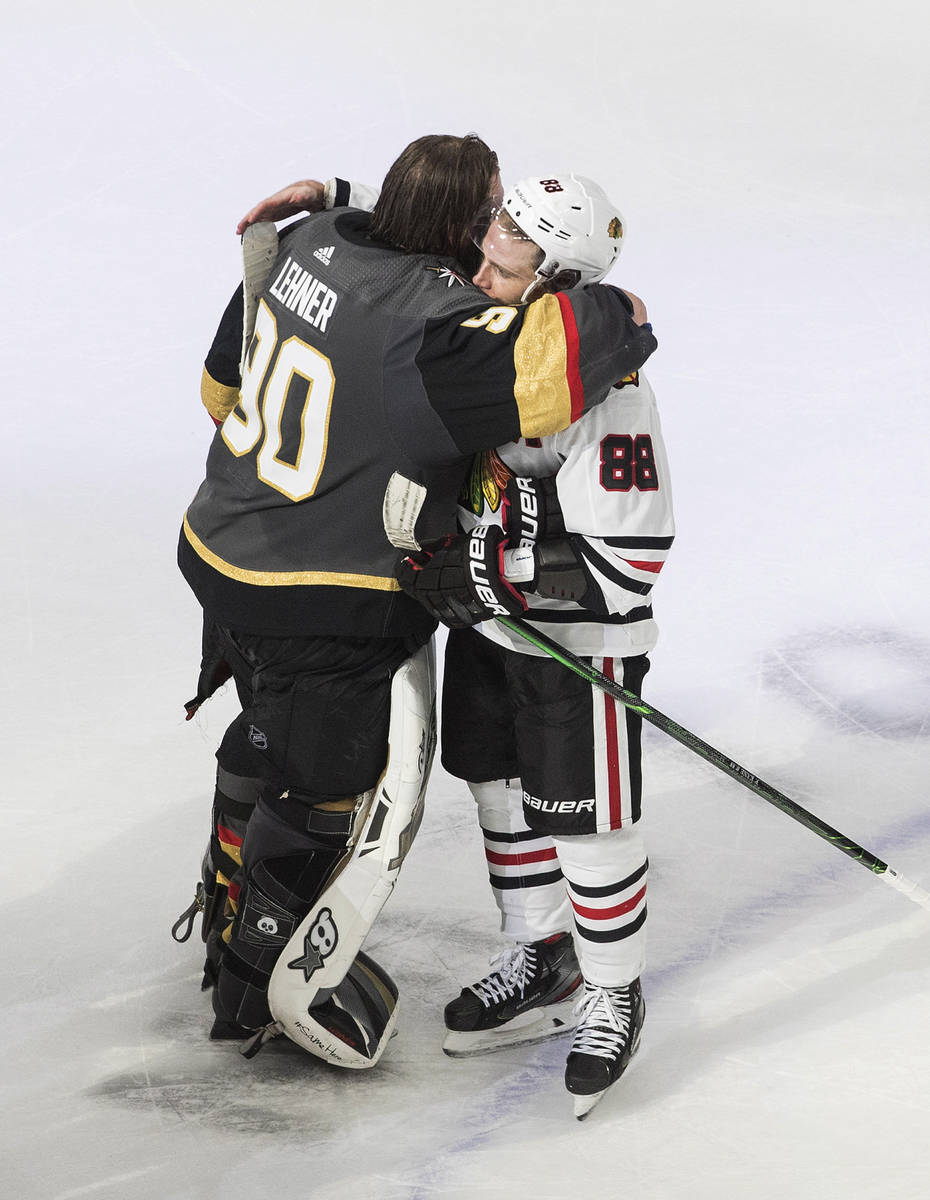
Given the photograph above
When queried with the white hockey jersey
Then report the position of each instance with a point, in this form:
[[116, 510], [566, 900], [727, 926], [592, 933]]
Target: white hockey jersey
[[613, 484], [614, 489]]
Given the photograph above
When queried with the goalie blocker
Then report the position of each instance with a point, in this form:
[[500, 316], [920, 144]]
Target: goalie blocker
[[325, 995]]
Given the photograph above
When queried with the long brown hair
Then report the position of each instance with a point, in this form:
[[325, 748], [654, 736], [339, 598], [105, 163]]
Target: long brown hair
[[431, 194]]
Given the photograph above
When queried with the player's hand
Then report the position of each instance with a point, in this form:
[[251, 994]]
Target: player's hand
[[304, 196], [531, 509], [460, 581]]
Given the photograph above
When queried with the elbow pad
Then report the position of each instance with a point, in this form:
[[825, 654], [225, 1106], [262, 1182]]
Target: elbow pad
[[561, 575]]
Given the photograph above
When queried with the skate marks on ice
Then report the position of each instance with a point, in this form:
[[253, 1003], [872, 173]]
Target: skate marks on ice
[[176, 1072], [862, 680], [419, 1113], [174, 1068], [841, 1022], [435, 1120]]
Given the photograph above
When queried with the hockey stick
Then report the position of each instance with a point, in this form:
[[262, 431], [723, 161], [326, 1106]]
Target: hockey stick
[[719, 760], [259, 250]]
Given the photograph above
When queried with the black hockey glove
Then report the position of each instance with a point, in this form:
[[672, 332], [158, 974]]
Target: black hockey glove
[[214, 669], [460, 580], [531, 509]]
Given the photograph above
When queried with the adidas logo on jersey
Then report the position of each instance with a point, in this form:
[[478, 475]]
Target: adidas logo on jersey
[[324, 254]]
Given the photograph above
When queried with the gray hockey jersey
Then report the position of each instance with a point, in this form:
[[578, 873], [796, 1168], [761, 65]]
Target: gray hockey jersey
[[366, 360]]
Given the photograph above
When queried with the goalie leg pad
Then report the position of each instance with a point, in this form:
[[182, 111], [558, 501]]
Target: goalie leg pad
[[325, 945], [354, 1023], [233, 804], [286, 864]]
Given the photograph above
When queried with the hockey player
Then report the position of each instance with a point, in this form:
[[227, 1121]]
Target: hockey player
[[369, 356], [553, 764]]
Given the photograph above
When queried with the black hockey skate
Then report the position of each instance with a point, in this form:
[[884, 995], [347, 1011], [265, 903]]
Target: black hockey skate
[[528, 996], [609, 1027]]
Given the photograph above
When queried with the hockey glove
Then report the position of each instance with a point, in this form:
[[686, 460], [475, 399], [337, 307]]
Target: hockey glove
[[460, 581], [531, 509], [214, 669]]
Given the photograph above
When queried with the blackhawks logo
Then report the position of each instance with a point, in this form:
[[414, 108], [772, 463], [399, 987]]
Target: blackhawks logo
[[615, 228], [485, 483]]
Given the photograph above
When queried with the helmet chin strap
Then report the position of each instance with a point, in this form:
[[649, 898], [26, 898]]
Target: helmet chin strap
[[541, 277]]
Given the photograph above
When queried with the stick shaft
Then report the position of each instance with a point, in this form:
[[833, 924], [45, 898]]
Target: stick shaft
[[718, 759]]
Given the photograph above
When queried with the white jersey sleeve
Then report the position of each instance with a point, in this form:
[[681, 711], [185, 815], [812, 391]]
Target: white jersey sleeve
[[614, 488], [344, 193]]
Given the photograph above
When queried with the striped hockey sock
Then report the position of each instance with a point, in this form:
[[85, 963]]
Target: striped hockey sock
[[523, 866], [606, 879]]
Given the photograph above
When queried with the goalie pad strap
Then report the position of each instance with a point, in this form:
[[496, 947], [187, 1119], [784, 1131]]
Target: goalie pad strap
[[331, 827]]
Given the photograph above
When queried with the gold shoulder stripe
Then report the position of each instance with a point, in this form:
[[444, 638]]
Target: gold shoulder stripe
[[376, 583], [218, 399], [540, 358]]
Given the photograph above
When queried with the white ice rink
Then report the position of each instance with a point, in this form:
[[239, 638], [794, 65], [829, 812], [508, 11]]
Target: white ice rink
[[771, 160]]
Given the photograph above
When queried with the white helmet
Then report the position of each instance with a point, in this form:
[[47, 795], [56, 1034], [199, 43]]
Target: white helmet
[[572, 221]]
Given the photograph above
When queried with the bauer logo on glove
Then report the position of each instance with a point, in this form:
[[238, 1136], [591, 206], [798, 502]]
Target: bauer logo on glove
[[460, 580], [531, 510], [480, 571]]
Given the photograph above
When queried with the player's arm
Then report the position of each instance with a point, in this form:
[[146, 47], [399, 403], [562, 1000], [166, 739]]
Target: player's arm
[[219, 383], [219, 388], [602, 527], [603, 342], [309, 195], [531, 370]]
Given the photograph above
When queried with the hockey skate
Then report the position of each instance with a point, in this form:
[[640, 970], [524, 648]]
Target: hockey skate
[[528, 996], [609, 1027]]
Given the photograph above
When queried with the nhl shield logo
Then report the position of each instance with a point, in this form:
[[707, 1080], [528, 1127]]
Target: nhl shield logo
[[258, 739]]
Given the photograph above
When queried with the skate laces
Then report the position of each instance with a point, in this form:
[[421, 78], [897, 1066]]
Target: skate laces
[[605, 1016], [510, 972]]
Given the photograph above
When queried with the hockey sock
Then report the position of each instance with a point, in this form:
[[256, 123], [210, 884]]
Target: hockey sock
[[606, 878], [523, 865]]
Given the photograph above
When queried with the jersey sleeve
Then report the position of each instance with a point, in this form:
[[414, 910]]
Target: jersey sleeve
[[615, 493], [219, 384], [512, 371], [344, 193]]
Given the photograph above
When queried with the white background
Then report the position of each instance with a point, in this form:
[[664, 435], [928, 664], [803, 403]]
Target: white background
[[771, 161]]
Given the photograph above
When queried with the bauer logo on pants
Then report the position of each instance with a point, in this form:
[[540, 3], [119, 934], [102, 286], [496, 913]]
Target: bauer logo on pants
[[320, 941]]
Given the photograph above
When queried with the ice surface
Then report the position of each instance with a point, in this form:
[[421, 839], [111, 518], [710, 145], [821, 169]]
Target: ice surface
[[771, 162]]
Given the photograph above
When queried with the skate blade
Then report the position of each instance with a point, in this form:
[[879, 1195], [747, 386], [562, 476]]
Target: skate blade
[[538, 1025], [584, 1104]]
